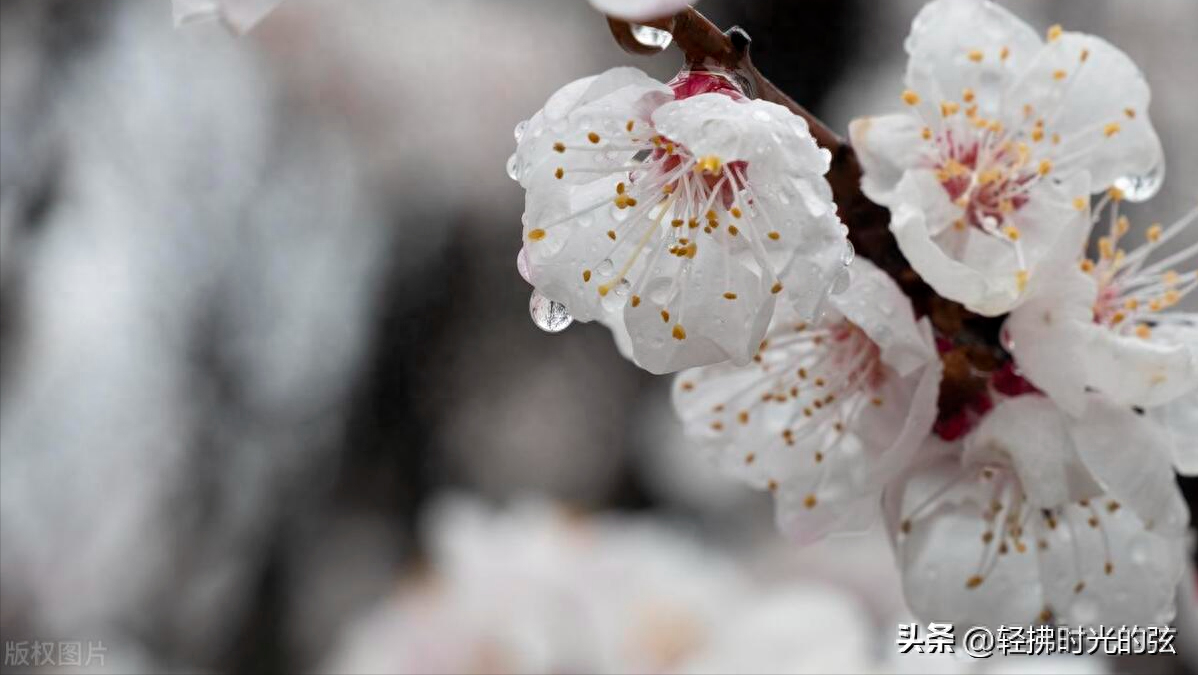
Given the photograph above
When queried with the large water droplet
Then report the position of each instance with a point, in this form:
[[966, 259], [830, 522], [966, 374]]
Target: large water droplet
[[621, 289], [1143, 187], [848, 254], [651, 37], [605, 268], [549, 315], [513, 171], [518, 132]]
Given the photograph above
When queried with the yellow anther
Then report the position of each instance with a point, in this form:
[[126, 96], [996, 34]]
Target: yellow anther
[[593, 137], [1130, 112], [586, 276], [1059, 74], [611, 234], [1171, 297], [774, 235], [1154, 233], [1037, 134], [1156, 304], [630, 125], [949, 108], [1132, 304], [733, 230], [1117, 318], [776, 288], [1054, 32], [1171, 278], [1056, 139], [976, 55], [559, 147], [735, 212], [604, 290], [1106, 248], [810, 501], [1122, 225], [665, 316], [691, 249], [1143, 331], [1080, 203], [1012, 232], [1021, 280], [1087, 266], [995, 126], [560, 173], [677, 222], [973, 582], [1115, 193], [910, 97], [620, 188], [536, 235], [743, 417], [989, 176], [710, 164], [967, 95], [1084, 55], [1045, 167], [635, 300], [1111, 129], [926, 133], [679, 332], [1004, 53], [972, 111], [729, 296], [959, 225]]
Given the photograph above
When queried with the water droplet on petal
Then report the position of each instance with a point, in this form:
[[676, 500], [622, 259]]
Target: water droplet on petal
[[518, 132], [522, 264], [513, 171], [605, 268], [549, 315], [1143, 187], [622, 288], [849, 253], [651, 37]]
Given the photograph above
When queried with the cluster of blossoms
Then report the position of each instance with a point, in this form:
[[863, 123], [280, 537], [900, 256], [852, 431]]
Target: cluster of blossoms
[[695, 222]]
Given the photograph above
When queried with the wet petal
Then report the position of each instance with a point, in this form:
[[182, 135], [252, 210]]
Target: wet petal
[[640, 10], [887, 146]]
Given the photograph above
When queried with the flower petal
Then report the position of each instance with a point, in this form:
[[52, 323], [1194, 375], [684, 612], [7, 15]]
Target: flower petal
[[1179, 421], [1034, 435], [1096, 98], [887, 146], [945, 38], [239, 15], [1048, 335], [1135, 371], [640, 10]]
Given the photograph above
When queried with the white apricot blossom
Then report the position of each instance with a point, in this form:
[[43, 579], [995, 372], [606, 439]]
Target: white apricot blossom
[[988, 171], [1042, 517], [238, 15], [676, 216], [1114, 325], [640, 10], [827, 413]]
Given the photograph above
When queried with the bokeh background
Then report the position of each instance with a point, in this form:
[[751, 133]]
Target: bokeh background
[[264, 349]]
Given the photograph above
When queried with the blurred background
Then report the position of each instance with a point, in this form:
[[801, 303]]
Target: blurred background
[[271, 398]]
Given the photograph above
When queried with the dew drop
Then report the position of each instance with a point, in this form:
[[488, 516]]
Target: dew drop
[[605, 268], [1142, 187], [518, 132], [549, 315], [513, 171], [522, 265], [621, 289], [849, 253], [651, 37]]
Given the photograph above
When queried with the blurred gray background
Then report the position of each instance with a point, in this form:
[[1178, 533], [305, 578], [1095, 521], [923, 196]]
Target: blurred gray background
[[258, 300]]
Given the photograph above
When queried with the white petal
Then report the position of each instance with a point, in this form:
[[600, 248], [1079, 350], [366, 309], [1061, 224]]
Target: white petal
[[1048, 333], [942, 551], [1034, 435], [640, 10], [1096, 92], [1134, 371], [1179, 421], [974, 268], [1145, 564], [876, 305], [1129, 456], [944, 34], [886, 146]]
